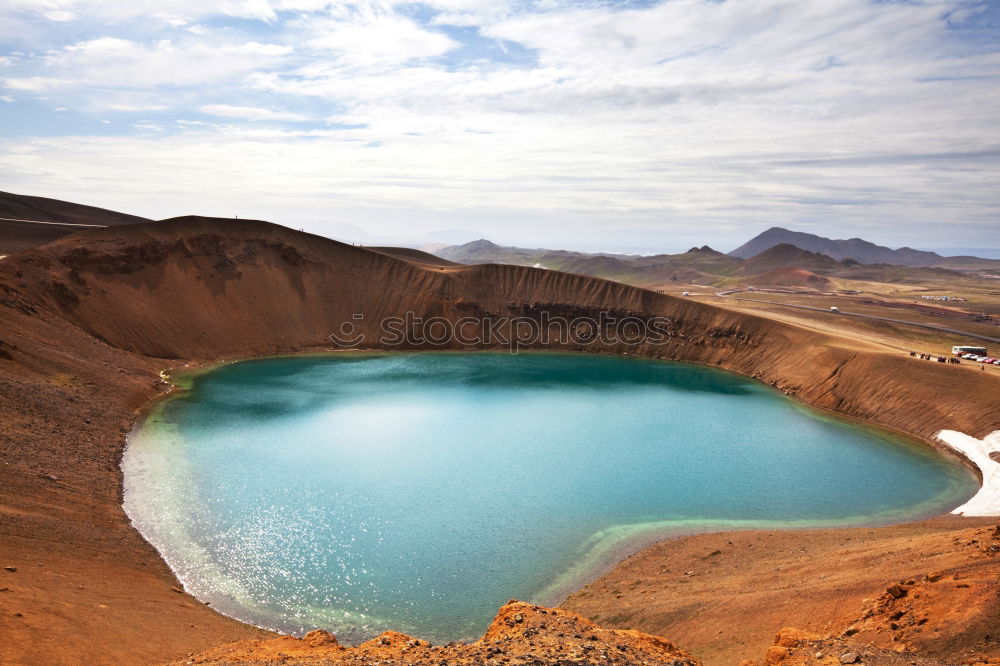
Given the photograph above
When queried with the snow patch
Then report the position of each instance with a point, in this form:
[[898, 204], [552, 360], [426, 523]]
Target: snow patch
[[987, 501]]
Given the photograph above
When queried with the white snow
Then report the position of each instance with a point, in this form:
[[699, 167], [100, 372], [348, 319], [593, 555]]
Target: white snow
[[987, 501]]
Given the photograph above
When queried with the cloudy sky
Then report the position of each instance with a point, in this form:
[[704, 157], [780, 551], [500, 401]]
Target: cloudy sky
[[589, 124]]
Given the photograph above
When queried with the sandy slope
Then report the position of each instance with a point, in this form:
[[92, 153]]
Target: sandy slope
[[24, 207], [59, 218], [723, 596], [87, 322]]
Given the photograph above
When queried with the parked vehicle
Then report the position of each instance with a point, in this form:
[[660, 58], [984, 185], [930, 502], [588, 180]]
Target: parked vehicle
[[968, 349]]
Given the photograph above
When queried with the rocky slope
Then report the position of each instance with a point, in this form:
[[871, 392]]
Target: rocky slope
[[520, 634], [87, 322], [930, 588]]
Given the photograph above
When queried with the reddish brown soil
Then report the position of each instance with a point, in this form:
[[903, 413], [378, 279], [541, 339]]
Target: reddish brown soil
[[520, 634], [24, 207], [723, 596], [790, 277], [794, 647], [17, 236], [87, 322]]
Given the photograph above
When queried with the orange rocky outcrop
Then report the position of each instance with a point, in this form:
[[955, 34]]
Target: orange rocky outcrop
[[520, 634]]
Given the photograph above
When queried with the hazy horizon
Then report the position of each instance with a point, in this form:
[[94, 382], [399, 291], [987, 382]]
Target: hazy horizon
[[629, 126]]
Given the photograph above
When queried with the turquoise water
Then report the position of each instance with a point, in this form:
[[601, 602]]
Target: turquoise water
[[419, 492]]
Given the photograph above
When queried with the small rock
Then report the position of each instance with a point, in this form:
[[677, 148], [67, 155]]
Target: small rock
[[177, 589], [849, 658], [319, 638], [818, 655], [897, 591], [11, 569]]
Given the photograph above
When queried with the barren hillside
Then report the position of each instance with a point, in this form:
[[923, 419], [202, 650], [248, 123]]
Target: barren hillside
[[87, 322]]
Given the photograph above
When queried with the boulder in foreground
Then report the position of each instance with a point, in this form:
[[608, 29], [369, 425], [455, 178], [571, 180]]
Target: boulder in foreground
[[520, 634]]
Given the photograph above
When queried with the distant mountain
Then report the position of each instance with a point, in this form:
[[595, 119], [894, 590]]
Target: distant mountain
[[477, 251], [981, 252], [412, 256], [854, 248], [786, 255], [703, 264]]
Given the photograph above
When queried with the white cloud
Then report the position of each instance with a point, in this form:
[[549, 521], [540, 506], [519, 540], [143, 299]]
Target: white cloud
[[255, 9], [251, 113], [701, 112], [470, 12], [262, 49], [31, 83], [59, 15], [137, 107], [146, 125], [116, 63], [116, 10], [458, 19], [379, 39]]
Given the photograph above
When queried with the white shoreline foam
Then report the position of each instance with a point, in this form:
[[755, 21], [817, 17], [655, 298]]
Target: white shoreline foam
[[987, 501]]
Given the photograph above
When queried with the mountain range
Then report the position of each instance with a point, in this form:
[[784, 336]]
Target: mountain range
[[773, 265], [775, 257], [858, 249]]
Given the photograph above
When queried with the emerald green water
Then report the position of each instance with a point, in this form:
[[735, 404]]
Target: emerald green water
[[419, 492]]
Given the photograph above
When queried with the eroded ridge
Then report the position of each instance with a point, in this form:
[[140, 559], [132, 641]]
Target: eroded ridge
[[520, 634]]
